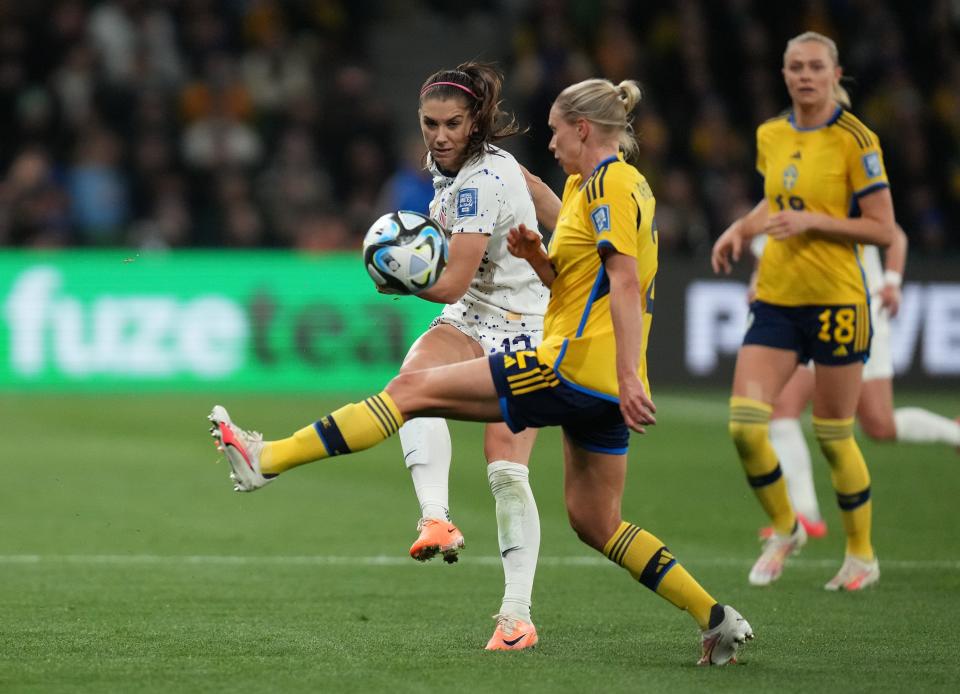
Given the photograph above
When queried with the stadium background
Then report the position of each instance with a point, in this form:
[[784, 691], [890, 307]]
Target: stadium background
[[184, 185]]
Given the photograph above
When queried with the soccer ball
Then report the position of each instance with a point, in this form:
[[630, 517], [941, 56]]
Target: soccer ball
[[405, 252]]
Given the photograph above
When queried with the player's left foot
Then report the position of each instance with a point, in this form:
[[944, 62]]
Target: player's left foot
[[720, 643], [815, 529], [855, 574], [437, 537], [512, 634], [776, 549], [242, 449]]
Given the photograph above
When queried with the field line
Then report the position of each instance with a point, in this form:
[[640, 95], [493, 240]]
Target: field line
[[384, 560]]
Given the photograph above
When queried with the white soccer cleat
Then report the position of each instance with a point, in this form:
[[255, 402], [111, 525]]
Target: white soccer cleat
[[855, 574], [776, 549], [242, 449], [720, 643]]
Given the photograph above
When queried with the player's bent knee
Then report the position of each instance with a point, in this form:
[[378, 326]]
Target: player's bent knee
[[404, 390], [591, 532], [879, 429]]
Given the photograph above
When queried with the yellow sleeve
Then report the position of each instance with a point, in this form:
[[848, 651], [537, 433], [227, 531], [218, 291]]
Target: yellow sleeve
[[865, 164], [761, 155], [615, 215]]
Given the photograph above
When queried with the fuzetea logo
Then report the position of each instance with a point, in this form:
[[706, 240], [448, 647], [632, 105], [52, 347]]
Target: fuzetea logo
[[147, 335]]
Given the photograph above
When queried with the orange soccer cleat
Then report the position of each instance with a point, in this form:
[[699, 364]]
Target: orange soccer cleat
[[437, 537], [512, 635]]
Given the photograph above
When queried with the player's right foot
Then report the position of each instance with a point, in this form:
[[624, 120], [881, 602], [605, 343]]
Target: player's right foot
[[242, 449], [437, 537], [512, 634], [720, 643], [776, 549], [855, 574], [815, 529]]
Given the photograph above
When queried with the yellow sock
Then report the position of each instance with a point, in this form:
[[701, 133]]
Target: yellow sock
[[352, 428], [750, 430], [648, 561], [851, 480]]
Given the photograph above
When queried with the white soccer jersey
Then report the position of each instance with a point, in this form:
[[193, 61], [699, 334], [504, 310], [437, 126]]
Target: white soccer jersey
[[873, 269], [488, 196]]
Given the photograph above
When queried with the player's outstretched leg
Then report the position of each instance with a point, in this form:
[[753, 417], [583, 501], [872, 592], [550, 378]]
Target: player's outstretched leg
[[242, 450], [353, 427], [727, 632]]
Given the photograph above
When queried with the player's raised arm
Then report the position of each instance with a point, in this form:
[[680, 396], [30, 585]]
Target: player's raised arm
[[527, 244], [545, 200]]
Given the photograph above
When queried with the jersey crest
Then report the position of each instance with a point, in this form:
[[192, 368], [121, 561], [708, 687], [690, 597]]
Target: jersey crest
[[790, 176], [601, 219], [871, 164], [467, 202]]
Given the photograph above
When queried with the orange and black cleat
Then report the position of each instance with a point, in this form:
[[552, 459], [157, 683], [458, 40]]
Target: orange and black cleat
[[512, 635], [437, 537]]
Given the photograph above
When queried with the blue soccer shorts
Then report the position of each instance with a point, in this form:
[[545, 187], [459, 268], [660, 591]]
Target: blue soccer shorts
[[533, 395], [829, 335]]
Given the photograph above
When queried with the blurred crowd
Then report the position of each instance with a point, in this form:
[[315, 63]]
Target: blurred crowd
[[259, 123]]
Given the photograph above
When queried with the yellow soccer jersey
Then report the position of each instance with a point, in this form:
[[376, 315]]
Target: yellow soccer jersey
[[824, 170], [613, 208]]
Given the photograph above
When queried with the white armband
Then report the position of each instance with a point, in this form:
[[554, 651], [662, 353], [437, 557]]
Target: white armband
[[892, 278]]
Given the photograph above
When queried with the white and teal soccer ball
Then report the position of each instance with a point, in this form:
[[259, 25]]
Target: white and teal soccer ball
[[405, 252]]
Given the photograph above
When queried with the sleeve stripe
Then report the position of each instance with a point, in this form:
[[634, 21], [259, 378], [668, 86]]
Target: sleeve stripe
[[856, 135], [858, 131], [859, 127], [870, 189], [601, 173]]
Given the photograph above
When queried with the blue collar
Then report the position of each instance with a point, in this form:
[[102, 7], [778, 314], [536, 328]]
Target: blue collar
[[833, 119], [609, 160]]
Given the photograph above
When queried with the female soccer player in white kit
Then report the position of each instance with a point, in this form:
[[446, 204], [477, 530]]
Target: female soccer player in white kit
[[495, 303]]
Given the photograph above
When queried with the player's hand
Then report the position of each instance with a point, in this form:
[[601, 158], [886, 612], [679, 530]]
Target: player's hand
[[890, 299], [523, 242], [726, 250], [635, 405], [783, 225]]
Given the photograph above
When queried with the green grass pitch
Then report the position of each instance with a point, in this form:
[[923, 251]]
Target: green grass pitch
[[127, 564]]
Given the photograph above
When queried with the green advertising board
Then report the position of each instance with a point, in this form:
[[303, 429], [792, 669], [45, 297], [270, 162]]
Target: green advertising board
[[279, 321]]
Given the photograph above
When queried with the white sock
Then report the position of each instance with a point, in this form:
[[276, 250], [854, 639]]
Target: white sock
[[518, 531], [791, 448], [427, 452], [922, 426]]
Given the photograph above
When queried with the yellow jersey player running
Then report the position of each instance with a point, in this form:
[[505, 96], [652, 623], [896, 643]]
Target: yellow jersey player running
[[811, 299], [588, 376]]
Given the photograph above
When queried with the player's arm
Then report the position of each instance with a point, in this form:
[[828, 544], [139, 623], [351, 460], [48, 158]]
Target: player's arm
[[875, 225], [466, 252], [728, 247], [545, 201], [527, 244], [894, 262], [627, 314]]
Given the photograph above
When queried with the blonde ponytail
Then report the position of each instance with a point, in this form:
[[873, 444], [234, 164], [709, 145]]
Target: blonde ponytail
[[606, 105]]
